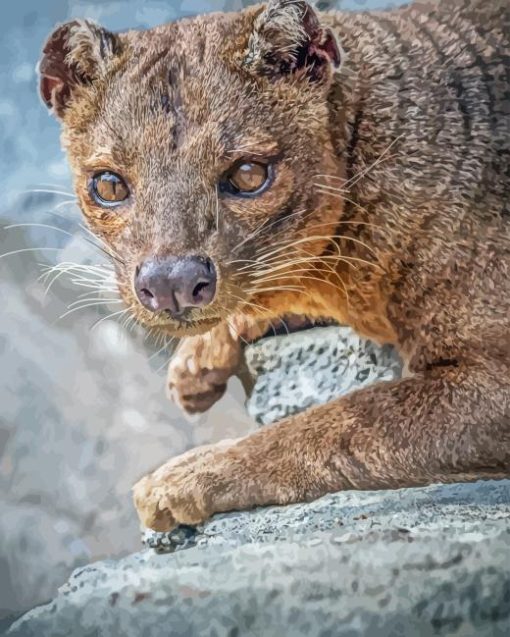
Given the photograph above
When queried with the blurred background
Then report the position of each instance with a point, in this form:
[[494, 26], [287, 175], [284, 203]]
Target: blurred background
[[82, 407]]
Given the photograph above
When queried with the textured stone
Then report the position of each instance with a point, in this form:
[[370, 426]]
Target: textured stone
[[430, 561], [312, 367], [407, 563]]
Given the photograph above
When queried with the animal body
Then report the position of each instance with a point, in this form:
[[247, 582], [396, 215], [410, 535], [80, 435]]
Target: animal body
[[353, 166]]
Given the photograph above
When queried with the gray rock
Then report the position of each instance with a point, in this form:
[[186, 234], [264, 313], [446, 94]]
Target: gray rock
[[431, 561], [311, 367]]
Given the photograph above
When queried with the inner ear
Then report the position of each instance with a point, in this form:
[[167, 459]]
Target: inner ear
[[288, 38], [54, 92], [320, 45], [76, 53]]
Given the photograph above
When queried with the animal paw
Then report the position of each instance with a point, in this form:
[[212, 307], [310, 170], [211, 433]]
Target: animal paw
[[200, 369], [183, 490]]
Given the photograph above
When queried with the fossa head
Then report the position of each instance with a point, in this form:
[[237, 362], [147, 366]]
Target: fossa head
[[194, 148]]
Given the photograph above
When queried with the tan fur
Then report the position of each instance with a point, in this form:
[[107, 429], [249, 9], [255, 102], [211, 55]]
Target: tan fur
[[390, 211]]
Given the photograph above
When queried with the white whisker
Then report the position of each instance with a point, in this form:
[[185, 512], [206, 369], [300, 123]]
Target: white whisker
[[22, 250], [49, 192], [12, 226], [110, 316]]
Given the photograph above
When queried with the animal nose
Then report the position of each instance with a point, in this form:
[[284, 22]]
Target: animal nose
[[175, 284]]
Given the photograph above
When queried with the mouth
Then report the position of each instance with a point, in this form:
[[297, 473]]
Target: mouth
[[205, 322], [189, 327]]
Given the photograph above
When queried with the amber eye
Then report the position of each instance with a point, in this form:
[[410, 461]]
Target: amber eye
[[109, 189], [248, 178]]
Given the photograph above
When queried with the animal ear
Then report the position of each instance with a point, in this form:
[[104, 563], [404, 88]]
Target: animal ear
[[76, 53], [288, 38]]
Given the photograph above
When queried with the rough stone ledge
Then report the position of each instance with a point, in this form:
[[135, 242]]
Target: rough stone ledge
[[406, 563], [427, 561]]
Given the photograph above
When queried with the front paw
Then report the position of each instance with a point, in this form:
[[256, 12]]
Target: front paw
[[194, 389], [187, 489], [151, 505], [200, 369]]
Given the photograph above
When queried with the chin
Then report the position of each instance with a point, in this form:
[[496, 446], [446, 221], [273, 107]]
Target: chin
[[194, 328], [182, 330]]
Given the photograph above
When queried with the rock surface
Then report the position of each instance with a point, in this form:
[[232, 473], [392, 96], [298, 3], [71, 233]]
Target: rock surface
[[311, 367], [430, 561], [407, 563]]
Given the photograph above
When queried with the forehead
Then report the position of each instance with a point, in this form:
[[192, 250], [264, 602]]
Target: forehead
[[179, 85]]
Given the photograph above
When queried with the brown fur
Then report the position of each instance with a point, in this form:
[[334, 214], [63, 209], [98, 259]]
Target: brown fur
[[390, 211]]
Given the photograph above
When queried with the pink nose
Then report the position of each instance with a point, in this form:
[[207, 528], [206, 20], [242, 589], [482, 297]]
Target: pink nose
[[175, 284]]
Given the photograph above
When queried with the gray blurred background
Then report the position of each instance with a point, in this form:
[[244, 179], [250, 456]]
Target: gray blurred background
[[82, 406]]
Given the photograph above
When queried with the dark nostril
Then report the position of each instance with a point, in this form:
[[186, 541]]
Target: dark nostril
[[198, 288], [147, 293]]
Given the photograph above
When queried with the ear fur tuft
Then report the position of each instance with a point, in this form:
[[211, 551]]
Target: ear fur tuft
[[288, 38], [77, 52]]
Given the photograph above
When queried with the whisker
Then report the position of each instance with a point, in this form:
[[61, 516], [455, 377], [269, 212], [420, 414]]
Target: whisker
[[325, 176], [22, 250], [264, 227], [302, 277], [285, 326], [46, 275], [99, 269], [110, 316], [12, 226], [167, 362], [232, 328], [165, 345], [99, 301], [276, 264], [217, 210], [346, 223], [318, 238], [96, 278], [260, 309], [102, 246], [48, 192], [131, 322], [62, 204], [343, 197], [282, 288], [103, 273], [83, 307], [285, 264], [126, 320], [48, 185], [355, 179]]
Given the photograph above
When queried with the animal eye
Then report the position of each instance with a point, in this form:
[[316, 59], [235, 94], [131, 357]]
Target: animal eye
[[248, 178], [109, 189]]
